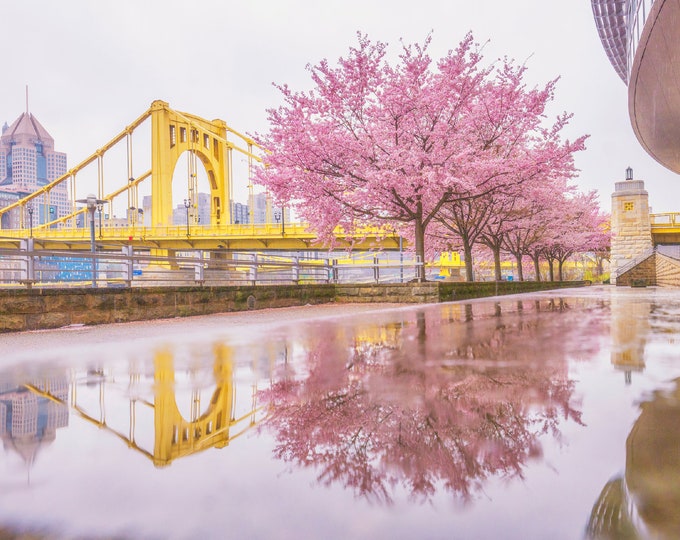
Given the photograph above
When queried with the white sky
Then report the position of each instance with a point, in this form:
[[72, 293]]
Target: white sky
[[92, 67]]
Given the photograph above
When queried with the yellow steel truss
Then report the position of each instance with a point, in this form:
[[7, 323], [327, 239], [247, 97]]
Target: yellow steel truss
[[172, 134]]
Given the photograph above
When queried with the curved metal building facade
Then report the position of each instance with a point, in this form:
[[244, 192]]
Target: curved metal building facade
[[642, 40]]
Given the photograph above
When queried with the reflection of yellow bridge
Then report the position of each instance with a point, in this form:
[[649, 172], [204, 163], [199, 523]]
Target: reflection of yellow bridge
[[174, 436], [173, 135]]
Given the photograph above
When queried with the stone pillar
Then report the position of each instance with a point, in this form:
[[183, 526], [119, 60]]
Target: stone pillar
[[631, 227]]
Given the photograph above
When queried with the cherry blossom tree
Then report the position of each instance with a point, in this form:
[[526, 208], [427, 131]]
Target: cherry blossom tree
[[528, 221], [375, 144], [578, 225], [513, 151]]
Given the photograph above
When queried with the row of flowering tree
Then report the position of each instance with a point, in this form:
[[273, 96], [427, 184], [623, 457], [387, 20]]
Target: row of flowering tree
[[445, 154]]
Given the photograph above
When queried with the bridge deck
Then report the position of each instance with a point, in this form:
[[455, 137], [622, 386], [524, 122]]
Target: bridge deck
[[293, 236]]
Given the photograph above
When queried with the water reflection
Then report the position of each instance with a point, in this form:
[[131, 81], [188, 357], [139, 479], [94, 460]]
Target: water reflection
[[645, 501], [154, 426], [446, 397], [433, 404], [29, 420], [629, 328]]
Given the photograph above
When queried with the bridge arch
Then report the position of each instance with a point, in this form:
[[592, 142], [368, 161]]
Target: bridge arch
[[172, 134], [177, 436]]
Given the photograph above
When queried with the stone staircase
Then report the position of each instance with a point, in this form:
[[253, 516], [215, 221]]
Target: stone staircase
[[659, 266]]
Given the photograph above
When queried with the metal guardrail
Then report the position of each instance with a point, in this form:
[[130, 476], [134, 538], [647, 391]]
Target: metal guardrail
[[26, 267], [665, 220]]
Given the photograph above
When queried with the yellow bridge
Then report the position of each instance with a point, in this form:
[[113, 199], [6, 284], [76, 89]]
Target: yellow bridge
[[665, 228], [119, 179]]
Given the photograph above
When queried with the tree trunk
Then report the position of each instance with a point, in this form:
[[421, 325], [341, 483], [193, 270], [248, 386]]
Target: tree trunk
[[520, 270], [537, 266], [467, 250], [497, 262], [560, 262], [551, 272], [420, 250]]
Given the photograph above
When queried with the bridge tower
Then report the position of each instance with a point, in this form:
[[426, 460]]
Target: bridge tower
[[631, 225], [177, 436], [172, 134]]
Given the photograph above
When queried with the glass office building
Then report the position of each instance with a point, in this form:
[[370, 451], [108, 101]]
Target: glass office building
[[642, 40]]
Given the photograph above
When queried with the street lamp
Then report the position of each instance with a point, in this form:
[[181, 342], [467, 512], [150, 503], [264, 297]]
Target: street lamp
[[187, 205], [29, 208], [92, 202], [100, 207], [281, 214]]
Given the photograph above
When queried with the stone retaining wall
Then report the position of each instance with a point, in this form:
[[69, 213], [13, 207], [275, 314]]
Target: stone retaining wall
[[667, 271], [405, 293], [640, 275], [53, 308]]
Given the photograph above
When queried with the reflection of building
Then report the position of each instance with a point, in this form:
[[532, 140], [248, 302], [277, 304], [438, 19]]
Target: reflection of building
[[641, 39], [28, 161], [29, 420], [644, 503], [629, 327]]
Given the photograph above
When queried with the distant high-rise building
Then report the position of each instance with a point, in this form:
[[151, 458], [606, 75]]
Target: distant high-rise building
[[198, 214], [260, 208], [28, 161], [240, 213]]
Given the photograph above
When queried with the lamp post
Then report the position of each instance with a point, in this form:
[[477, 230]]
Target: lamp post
[[281, 215], [187, 205], [29, 209], [92, 202], [100, 207]]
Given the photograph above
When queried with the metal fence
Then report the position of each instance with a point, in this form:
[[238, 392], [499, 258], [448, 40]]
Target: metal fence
[[28, 267]]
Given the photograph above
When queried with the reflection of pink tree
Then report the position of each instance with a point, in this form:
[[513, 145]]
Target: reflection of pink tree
[[381, 417]]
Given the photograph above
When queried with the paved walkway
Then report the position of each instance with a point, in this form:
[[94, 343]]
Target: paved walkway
[[40, 341]]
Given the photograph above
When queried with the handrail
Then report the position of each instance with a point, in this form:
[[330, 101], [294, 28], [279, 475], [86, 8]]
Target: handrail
[[665, 219], [26, 267], [637, 260]]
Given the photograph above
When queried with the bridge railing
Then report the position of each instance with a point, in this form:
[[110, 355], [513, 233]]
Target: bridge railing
[[667, 219], [27, 267]]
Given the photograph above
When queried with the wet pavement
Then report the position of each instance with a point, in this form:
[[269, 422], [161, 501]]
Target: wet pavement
[[546, 415]]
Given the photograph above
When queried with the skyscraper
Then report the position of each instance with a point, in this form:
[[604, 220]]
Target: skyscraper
[[28, 161]]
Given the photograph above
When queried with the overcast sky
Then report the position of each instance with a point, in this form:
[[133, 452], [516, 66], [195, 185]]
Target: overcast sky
[[92, 67]]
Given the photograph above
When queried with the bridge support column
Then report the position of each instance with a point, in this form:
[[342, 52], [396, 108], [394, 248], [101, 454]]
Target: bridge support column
[[631, 226]]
